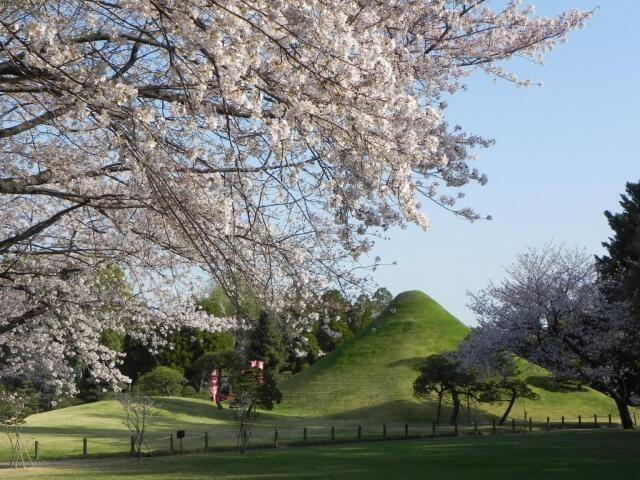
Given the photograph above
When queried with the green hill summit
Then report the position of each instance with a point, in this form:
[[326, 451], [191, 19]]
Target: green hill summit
[[372, 374], [376, 369]]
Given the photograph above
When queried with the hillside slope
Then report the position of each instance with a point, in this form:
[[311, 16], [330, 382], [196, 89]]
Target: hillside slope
[[371, 375], [376, 369]]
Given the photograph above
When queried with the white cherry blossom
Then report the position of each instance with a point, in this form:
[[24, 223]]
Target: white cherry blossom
[[266, 143]]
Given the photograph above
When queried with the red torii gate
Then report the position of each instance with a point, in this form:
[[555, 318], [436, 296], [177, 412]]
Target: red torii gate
[[216, 381]]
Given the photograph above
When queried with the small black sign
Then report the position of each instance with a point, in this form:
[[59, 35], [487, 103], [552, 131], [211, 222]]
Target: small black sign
[[180, 434]]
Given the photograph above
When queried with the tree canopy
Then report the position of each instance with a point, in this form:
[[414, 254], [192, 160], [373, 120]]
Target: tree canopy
[[258, 143], [441, 377], [550, 309], [621, 265]]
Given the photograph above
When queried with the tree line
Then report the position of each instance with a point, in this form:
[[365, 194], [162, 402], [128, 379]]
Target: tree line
[[182, 363]]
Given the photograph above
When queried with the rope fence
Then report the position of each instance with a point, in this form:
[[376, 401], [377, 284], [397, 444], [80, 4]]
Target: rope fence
[[305, 435]]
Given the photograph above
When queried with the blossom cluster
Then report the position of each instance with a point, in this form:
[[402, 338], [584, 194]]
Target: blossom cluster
[[266, 143], [550, 309]]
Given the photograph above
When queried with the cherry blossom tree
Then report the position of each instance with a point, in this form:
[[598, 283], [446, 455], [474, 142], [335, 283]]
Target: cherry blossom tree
[[15, 407], [264, 144], [550, 310], [137, 411]]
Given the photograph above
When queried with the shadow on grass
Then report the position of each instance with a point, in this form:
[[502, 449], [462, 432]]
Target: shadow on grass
[[554, 456], [551, 384], [413, 363], [404, 411]]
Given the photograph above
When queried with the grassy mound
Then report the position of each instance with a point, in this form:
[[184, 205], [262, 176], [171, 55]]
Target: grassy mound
[[60, 432], [371, 375]]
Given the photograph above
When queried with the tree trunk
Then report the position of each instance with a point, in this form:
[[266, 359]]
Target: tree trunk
[[623, 409], [456, 407], [439, 408], [245, 419], [165, 389], [217, 399], [506, 413]]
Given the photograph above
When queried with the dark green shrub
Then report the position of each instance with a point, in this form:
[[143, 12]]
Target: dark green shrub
[[162, 381], [189, 392]]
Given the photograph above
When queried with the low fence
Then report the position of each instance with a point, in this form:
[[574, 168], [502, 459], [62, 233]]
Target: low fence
[[169, 443]]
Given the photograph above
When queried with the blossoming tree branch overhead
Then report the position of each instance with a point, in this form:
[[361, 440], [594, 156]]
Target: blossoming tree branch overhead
[[265, 142]]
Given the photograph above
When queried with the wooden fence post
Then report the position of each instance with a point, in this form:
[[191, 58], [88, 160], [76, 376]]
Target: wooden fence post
[[406, 430], [562, 425], [493, 426], [530, 424], [206, 442], [455, 428], [635, 422], [610, 425], [548, 424], [579, 420], [359, 432], [595, 421], [37, 451], [475, 427], [384, 430], [513, 424], [84, 446], [132, 447], [275, 438]]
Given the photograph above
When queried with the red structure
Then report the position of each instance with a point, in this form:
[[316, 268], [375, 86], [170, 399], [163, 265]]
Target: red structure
[[215, 382], [256, 364]]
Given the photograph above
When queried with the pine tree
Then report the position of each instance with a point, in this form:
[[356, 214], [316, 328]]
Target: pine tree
[[620, 279], [621, 267], [266, 343]]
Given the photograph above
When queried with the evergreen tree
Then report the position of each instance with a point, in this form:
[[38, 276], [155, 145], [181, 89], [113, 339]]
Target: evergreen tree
[[621, 267], [163, 381], [266, 343], [381, 298], [620, 279], [188, 344], [227, 363], [366, 308], [442, 377], [138, 358], [504, 384], [252, 389]]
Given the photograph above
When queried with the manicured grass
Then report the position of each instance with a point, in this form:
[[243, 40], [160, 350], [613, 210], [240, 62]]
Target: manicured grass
[[558, 455], [371, 375], [60, 432], [368, 381]]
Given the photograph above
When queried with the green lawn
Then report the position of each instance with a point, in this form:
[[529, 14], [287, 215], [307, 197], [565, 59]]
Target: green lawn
[[367, 381], [60, 432], [371, 375], [558, 455]]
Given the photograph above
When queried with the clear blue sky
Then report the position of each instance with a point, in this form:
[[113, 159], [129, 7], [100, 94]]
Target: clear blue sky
[[562, 156]]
